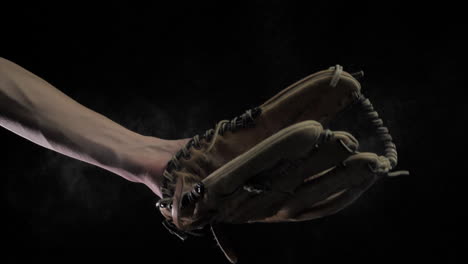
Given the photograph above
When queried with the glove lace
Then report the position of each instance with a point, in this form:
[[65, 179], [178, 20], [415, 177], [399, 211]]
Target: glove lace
[[243, 121], [383, 134]]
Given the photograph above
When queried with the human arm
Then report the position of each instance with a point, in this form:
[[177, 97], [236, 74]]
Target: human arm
[[39, 112]]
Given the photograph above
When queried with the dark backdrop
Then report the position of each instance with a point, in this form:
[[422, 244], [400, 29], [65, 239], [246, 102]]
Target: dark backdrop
[[172, 71]]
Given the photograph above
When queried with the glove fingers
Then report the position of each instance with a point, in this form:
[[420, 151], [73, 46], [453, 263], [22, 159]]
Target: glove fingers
[[224, 188], [283, 179], [334, 203], [339, 147], [341, 183], [339, 201], [291, 143]]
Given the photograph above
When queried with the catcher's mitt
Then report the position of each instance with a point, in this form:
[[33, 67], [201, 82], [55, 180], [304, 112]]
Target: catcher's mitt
[[274, 163]]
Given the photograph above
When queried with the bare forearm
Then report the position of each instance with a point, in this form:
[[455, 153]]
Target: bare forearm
[[37, 111]]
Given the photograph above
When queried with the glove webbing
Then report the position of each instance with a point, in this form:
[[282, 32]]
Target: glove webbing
[[383, 134], [367, 109]]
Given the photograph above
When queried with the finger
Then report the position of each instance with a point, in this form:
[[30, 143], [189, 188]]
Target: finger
[[355, 173]]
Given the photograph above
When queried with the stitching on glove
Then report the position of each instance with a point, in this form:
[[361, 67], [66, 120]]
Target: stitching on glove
[[243, 121]]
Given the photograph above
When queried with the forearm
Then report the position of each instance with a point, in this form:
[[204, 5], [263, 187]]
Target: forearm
[[37, 111]]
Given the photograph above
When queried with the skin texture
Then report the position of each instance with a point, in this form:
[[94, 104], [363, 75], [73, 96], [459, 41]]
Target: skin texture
[[32, 108]]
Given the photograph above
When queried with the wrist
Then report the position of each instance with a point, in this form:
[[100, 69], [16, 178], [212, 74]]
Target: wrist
[[147, 158]]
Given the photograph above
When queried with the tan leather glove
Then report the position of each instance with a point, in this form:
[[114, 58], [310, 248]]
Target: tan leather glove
[[276, 162]]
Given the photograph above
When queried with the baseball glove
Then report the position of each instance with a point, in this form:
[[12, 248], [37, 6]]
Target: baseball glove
[[277, 162]]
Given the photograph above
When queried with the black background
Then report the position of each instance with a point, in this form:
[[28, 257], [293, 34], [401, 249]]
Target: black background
[[172, 71]]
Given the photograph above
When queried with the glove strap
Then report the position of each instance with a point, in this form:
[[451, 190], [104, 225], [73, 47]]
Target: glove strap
[[172, 229]]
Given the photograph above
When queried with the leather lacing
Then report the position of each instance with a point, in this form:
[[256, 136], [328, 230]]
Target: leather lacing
[[367, 109], [383, 135], [172, 188], [243, 121]]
